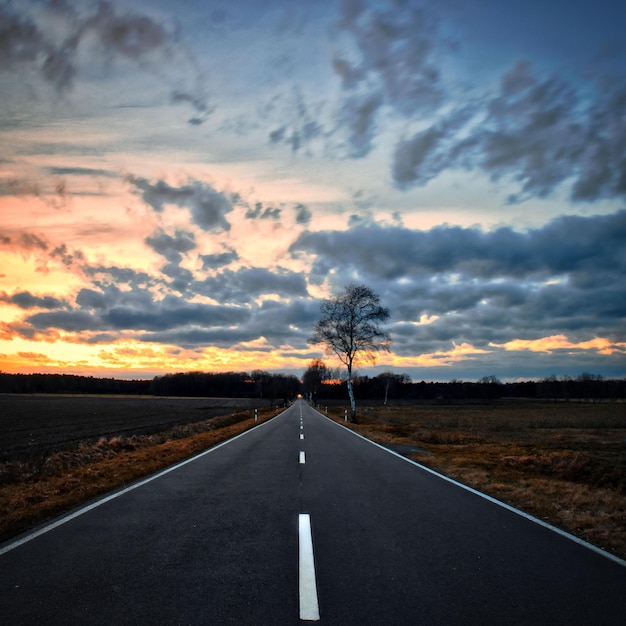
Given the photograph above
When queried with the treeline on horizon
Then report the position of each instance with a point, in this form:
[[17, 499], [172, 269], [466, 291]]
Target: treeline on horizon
[[285, 387]]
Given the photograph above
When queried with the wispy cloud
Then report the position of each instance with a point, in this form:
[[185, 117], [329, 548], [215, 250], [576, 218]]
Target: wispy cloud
[[85, 37]]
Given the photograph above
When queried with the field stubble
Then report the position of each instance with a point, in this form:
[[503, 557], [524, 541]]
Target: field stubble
[[564, 463]]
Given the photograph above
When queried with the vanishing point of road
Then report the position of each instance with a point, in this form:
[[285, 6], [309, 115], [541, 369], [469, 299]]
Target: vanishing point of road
[[297, 520]]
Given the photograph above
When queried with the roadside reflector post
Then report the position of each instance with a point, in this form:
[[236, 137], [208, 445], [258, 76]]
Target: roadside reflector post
[[256, 415], [345, 415]]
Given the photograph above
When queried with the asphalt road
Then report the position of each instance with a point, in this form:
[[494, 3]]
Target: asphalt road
[[219, 540]]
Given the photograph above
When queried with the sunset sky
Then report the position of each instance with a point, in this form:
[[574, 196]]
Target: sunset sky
[[182, 182]]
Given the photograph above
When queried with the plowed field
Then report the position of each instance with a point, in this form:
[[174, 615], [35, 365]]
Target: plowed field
[[33, 425]]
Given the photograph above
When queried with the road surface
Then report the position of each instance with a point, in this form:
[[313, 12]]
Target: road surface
[[301, 519]]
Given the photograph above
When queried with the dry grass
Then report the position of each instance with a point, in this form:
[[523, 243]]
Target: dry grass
[[34, 490], [564, 463]]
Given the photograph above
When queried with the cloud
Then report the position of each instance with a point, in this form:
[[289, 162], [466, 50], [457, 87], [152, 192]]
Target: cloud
[[81, 171], [129, 35], [207, 206], [117, 275], [69, 321], [215, 261], [170, 247], [303, 214], [114, 310], [390, 61], [302, 125], [602, 167], [358, 115], [20, 39], [567, 245], [197, 102], [247, 284], [80, 39], [108, 310], [538, 132], [530, 131], [262, 213], [172, 313], [479, 287], [25, 241], [26, 300]]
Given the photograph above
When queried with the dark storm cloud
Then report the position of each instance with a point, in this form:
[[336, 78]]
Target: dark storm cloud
[[172, 248], [246, 284], [208, 207], [116, 310], [70, 321], [174, 320], [181, 277], [279, 322], [567, 245], [484, 287], [172, 313], [214, 261], [26, 300], [118, 275]]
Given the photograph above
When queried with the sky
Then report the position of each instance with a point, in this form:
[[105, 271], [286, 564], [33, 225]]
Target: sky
[[181, 183]]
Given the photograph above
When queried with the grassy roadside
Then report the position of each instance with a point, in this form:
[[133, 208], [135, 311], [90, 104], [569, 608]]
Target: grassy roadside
[[563, 463], [35, 490]]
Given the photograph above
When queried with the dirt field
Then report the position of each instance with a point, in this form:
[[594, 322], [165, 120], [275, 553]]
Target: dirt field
[[35, 425]]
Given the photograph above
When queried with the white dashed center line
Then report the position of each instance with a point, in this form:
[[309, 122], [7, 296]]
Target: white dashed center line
[[302, 457], [309, 607]]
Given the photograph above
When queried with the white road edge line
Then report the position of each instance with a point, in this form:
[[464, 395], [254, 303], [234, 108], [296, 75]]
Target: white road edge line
[[93, 505], [309, 606], [504, 505], [302, 461]]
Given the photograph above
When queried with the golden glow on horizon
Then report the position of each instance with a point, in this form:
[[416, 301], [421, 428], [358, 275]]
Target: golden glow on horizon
[[130, 357], [561, 342], [458, 353], [64, 354]]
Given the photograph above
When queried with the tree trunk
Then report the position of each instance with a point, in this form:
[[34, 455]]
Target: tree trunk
[[352, 400]]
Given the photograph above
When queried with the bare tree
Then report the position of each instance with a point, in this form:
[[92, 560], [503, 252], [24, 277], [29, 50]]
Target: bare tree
[[349, 328], [315, 375]]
